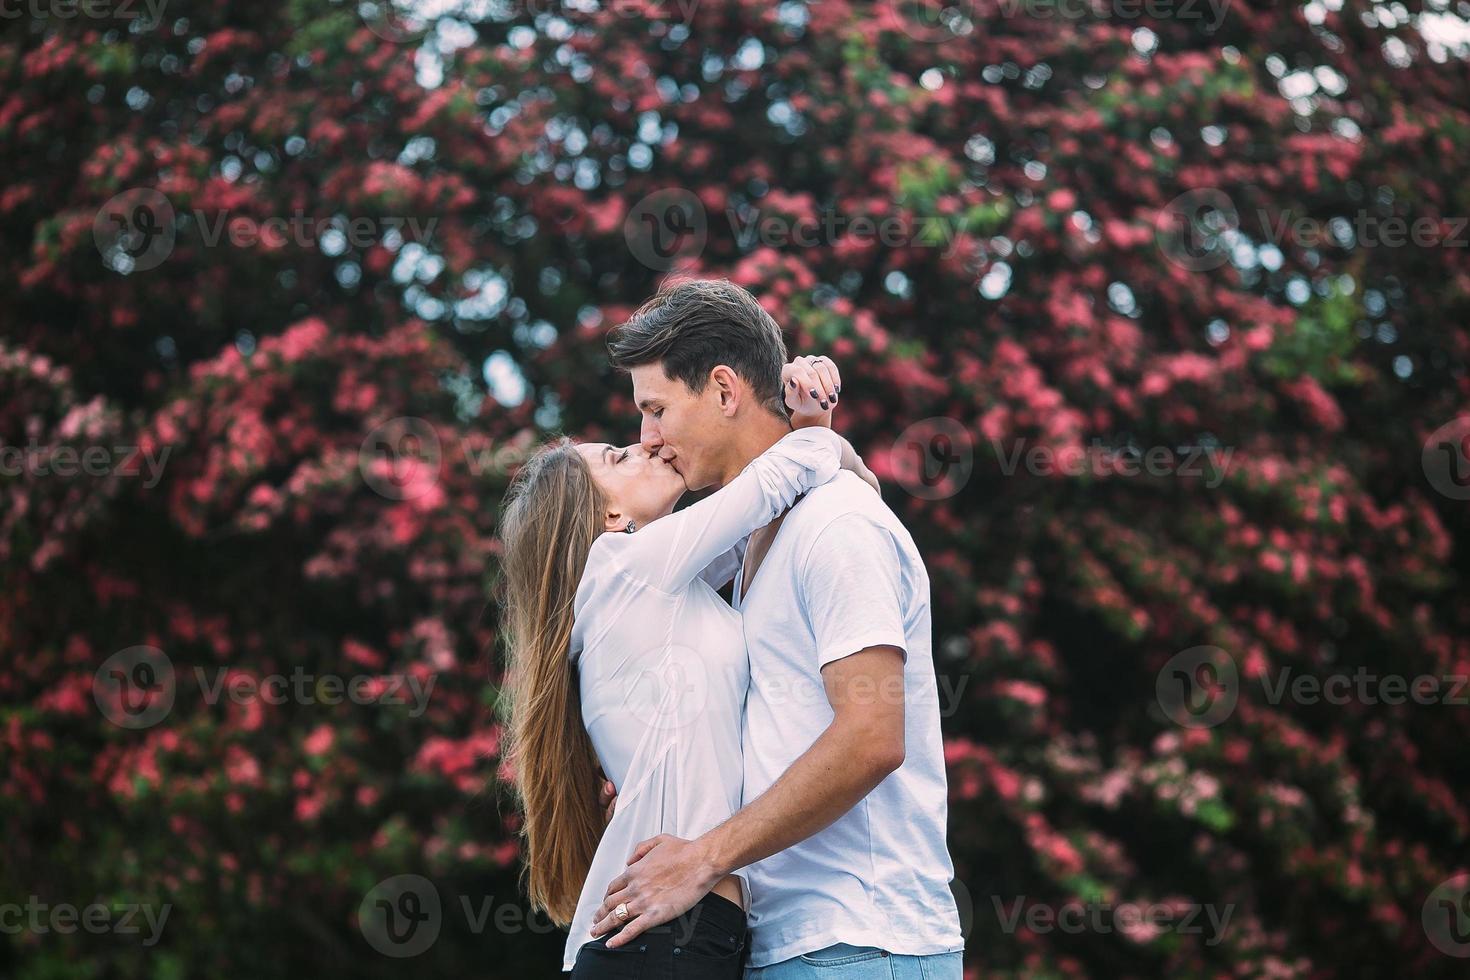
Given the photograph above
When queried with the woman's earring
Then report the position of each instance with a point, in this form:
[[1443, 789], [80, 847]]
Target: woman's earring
[[631, 527]]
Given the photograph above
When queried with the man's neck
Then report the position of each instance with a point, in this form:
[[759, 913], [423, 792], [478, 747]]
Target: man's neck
[[752, 438]]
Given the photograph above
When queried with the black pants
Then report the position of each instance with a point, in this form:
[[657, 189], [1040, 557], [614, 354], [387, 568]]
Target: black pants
[[709, 942]]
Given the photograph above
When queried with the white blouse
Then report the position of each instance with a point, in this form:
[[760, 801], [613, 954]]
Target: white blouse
[[661, 659]]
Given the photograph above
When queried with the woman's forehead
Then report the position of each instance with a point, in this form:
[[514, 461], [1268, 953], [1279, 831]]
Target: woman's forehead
[[595, 451]]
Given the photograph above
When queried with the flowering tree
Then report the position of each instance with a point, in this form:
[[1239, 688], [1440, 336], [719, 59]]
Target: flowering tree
[[1151, 318]]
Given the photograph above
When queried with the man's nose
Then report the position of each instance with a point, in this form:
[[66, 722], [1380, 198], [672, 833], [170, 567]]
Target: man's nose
[[649, 437]]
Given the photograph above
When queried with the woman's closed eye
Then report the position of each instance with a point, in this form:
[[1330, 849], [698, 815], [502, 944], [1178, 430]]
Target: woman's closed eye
[[622, 457]]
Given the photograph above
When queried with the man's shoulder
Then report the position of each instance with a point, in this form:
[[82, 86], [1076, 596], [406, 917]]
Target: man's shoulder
[[844, 497]]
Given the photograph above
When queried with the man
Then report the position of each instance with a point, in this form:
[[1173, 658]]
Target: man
[[842, 832]]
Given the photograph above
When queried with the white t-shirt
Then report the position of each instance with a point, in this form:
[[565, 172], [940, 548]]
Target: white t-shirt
[[661, 662], [841, 575]]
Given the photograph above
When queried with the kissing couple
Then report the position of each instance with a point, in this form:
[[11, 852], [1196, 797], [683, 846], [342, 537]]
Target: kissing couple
[[777, 801]]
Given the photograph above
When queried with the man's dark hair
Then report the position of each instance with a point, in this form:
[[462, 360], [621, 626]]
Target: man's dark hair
[[694, 325]]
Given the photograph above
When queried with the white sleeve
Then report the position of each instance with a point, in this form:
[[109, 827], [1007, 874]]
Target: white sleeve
[[852, 589], [671, 551]]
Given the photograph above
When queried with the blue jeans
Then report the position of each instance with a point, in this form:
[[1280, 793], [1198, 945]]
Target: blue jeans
[[860, 963]]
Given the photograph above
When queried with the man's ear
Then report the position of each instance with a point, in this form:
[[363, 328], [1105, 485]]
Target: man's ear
[[728, 387]]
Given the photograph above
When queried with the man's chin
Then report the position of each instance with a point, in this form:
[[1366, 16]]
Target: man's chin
[[694, 481]]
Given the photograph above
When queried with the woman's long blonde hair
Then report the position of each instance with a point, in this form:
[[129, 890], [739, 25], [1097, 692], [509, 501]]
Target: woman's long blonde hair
[[553, 514]]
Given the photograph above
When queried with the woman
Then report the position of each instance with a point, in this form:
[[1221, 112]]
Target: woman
[[622, 654]]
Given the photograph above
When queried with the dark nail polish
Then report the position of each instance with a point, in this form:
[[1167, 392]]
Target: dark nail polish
[[814, 393], [834, 398], [839, 389], [824, 404]]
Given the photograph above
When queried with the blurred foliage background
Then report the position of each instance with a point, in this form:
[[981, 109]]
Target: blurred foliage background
[[291, 287]]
